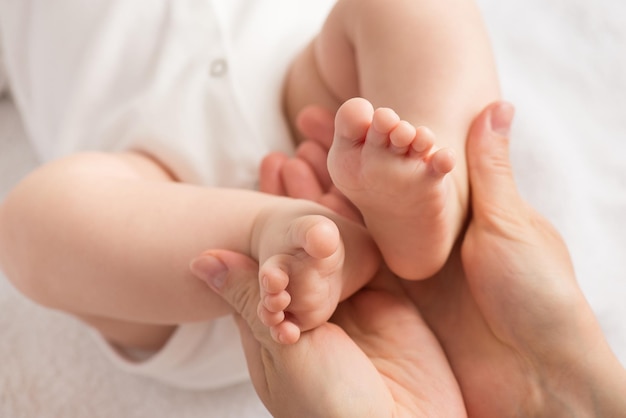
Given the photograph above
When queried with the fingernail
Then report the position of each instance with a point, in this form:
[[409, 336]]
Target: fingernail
[[211, 270], [501, 118]]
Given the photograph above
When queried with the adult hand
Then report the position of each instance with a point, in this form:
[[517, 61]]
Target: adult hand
[[378, 359], [518, 332], [306, 176], [516, 327]]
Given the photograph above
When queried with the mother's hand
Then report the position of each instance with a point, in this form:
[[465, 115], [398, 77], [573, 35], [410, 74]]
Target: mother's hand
[[378, 358], [520, 336], [518, 332], [306, 176]]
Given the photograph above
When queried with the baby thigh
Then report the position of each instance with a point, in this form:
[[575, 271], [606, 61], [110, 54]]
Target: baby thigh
[[429, 61]]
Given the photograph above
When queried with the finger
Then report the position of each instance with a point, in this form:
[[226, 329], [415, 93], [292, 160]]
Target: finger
[[338, 203], [300, 181], [316, 156], [317, 123], [321, 355], [234, 277], [490, 173], [270, 180]]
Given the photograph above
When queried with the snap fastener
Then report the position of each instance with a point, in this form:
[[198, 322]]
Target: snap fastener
[[219, 67]]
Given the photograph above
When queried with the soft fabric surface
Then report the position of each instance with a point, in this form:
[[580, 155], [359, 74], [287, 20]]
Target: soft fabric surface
[[562, 63]]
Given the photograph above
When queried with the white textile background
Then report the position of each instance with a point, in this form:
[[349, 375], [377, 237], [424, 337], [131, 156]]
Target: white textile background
[[562, 63]]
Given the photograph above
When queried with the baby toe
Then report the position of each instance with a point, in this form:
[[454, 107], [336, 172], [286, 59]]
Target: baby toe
[[277, 302], [423, 140], [383, 122], [268, 318], [285, 333], [401, 137]]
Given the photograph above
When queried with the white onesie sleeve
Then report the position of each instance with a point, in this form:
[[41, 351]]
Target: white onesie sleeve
[[198, 356]]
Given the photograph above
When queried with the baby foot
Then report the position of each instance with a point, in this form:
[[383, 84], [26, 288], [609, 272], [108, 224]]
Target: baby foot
[[301, 284], [392, 172]]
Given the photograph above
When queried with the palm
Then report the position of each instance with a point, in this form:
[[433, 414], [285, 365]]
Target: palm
[[389, 330], [379, 355], [501, 341], [495, 378]]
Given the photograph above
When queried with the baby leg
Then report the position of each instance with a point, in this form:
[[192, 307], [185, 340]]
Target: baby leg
[[429, 61], [392, 172]]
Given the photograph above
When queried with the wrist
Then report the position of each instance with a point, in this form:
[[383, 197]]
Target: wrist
[[588, 385], [602, 383]]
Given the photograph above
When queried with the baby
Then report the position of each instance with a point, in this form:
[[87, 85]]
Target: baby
[[424, 70], [390, 171], [107, 236]]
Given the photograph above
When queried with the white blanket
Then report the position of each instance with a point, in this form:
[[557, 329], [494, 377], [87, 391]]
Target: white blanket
[[562, 63]]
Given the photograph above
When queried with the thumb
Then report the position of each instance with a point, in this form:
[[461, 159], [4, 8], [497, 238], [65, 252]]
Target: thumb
[[234, 277], [493, 189]]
